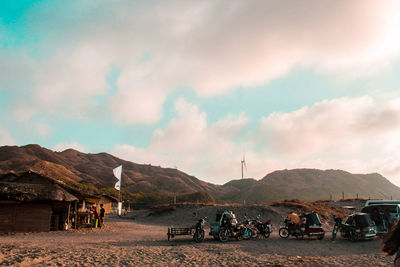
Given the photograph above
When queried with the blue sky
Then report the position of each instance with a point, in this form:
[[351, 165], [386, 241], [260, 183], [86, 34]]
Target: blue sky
[[198, 85]]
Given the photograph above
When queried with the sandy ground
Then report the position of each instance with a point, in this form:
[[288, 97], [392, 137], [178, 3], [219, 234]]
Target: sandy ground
[[127, 242]]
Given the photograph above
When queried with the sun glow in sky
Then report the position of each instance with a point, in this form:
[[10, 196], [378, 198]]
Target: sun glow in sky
[[198, 84]]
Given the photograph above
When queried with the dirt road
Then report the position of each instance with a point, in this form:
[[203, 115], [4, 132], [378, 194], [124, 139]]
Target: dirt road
[[127, 243]]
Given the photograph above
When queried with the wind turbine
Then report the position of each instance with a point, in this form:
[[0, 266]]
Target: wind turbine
[[243, 163]]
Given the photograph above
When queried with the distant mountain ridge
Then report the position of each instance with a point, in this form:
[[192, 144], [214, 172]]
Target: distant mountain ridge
[[95, 170], [310, 185]]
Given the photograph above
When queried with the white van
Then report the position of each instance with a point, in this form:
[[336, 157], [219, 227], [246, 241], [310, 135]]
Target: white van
[[380, 201]]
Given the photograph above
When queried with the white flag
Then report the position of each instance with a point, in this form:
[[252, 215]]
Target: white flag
[[117, 173], [118, 185]]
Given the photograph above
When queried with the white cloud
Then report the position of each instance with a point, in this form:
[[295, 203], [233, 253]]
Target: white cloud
[[359, 135], [6, 138], [192, 145], [328, 123], [63, 146], [354, 134], [211, 46], [68, 82], [139, 99], [42, 129]]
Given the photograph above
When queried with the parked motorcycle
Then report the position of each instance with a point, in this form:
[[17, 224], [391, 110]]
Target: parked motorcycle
[[228, 227], [238, 232], [260, 228], [290, 229], [249, 230], [311, 228], [198, 235]]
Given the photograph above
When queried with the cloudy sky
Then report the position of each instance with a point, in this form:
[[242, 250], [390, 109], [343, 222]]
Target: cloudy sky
[[195, 85]]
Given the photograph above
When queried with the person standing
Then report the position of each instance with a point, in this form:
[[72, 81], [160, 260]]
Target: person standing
[[386, 219], [102, 215]]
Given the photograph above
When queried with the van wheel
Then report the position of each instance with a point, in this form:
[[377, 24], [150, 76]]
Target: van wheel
[[354, 236]]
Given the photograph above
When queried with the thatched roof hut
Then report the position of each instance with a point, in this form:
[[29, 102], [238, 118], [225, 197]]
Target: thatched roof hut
[[33, 202], [108, 203], [34, 192]]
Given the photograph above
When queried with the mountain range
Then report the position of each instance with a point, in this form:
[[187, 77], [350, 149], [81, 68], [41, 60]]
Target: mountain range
[[93, 172]]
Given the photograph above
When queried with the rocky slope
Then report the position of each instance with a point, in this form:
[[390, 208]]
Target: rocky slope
[[79, 168], [96, 170], [309, 185]]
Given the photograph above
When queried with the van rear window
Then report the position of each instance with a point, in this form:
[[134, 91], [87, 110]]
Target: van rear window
[[390, 208]]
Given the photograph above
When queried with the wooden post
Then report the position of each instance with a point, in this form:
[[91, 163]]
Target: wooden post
[[357, 195], [76, 214], [330, 198], [69, 210], [15, 217], [342, 195]]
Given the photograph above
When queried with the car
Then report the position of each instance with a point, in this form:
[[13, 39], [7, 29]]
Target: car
[[383, 215], [380, 201], [357, 226]]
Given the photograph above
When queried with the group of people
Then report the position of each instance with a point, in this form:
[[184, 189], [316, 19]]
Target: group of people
[[99, 217], [381, 219]]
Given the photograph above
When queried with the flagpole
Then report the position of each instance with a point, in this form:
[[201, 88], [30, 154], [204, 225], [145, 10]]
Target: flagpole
[[120, 195], [118, 174]]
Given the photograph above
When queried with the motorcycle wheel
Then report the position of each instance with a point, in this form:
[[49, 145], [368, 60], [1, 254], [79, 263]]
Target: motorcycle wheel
[[240, 236], [299, 235], [284, 232], [199, 236], [223, 235], [334, 232], [254, 232], [248, 233], [321, 236], [266, 234]]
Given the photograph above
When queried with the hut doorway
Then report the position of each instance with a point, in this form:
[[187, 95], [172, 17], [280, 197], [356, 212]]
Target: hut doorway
[[59, 216]]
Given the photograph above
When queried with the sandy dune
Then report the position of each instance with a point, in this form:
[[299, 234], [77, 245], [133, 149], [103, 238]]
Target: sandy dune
[[127, 242]]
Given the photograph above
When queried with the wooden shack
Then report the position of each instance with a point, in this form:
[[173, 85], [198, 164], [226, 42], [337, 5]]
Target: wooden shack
[[108, 202], [31, 202]]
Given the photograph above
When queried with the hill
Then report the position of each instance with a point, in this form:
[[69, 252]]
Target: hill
[[309, 185], [93, 172]]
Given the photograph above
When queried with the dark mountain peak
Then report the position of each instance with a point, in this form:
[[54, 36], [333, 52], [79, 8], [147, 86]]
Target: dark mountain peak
[[32, 146], [303, 172], [241, 182], [96, 169], [70, 151]]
